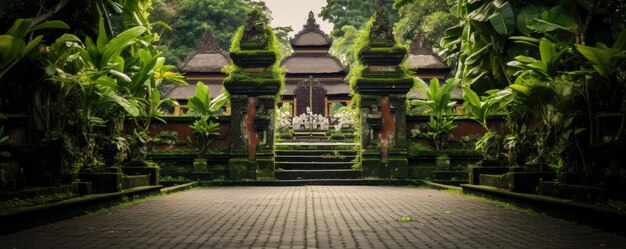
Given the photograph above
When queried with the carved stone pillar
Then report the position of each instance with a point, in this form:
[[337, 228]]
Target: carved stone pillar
[[382, 90], [253, 86]]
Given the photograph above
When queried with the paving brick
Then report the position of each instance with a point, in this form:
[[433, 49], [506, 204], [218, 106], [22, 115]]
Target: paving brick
[[312, 217]]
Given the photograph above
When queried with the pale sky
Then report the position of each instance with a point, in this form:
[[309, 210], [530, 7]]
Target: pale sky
[[295, 12]]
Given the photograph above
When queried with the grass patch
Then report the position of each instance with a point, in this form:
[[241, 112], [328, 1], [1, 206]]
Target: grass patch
[[126, 201], [505, 205], [34, 201]]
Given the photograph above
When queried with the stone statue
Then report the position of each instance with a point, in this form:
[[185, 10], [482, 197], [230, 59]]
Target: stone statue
[[254, 31], [381, 30], [311, 23]]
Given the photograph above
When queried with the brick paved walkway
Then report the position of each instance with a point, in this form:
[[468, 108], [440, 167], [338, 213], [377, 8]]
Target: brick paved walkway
[[312, 217]]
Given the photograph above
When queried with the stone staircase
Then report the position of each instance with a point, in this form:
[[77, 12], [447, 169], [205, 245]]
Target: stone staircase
[[312, 156]]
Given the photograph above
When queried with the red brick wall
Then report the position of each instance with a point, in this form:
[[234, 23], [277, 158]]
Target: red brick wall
[[181, 125]]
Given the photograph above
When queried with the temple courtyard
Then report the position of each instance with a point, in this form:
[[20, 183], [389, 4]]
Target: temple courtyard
[[313, 217]]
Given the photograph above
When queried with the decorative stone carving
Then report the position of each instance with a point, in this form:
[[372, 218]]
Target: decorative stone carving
[[254, 30], [208, 44], [311, 23], [311, 26], [421, 46], [208, 56], [381, 30]]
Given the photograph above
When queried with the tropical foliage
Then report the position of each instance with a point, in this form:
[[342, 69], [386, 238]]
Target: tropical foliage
[[480, 110], [439, 108], [14, 48], [106, 81], [189, 19], [202, 106], [92, 86], [479, 43], [343, 13], [560, 79], [430, 18]]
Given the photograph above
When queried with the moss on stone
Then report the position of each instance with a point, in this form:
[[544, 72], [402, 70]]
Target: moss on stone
[[398, 167], [265, 168], [249, 55], [382, 43], [372, 167], [238, 168]]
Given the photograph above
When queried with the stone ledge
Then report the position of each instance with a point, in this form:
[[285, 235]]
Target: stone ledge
[[580, 212], [178, 188], [439, 186], [27, 217], [348, 182]]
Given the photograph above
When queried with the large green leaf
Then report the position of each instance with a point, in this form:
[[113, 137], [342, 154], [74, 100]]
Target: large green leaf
[[128, 106], [31, 45], [218, 102], [620, 43], [108, 82], [67, 38], [55, 24], [598, 57], [520, 89], [482, 13], [148, 67], [529, 12], [195, 104], [203, 93], [92, 55], [102, 38], [471, 96], [20, 28], [6, 48], [156, 98], [120, 75], [553, 19], [503, 19], [120, 42], [170, 102], [547, 50], [474, 57]]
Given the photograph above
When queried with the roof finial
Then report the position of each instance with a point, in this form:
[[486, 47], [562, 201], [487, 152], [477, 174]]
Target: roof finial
[[208, 43], [254, 29], [420, 45], [311, 23]]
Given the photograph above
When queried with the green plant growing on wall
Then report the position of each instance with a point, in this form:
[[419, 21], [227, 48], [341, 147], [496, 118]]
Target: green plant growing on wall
[[439, 106], [265, 47], [205, 131], [202, 106]]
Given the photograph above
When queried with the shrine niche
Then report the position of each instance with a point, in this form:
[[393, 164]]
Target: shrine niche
[[310, 93]]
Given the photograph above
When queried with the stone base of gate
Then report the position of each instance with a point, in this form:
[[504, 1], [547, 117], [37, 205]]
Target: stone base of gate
[[241, 169]]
